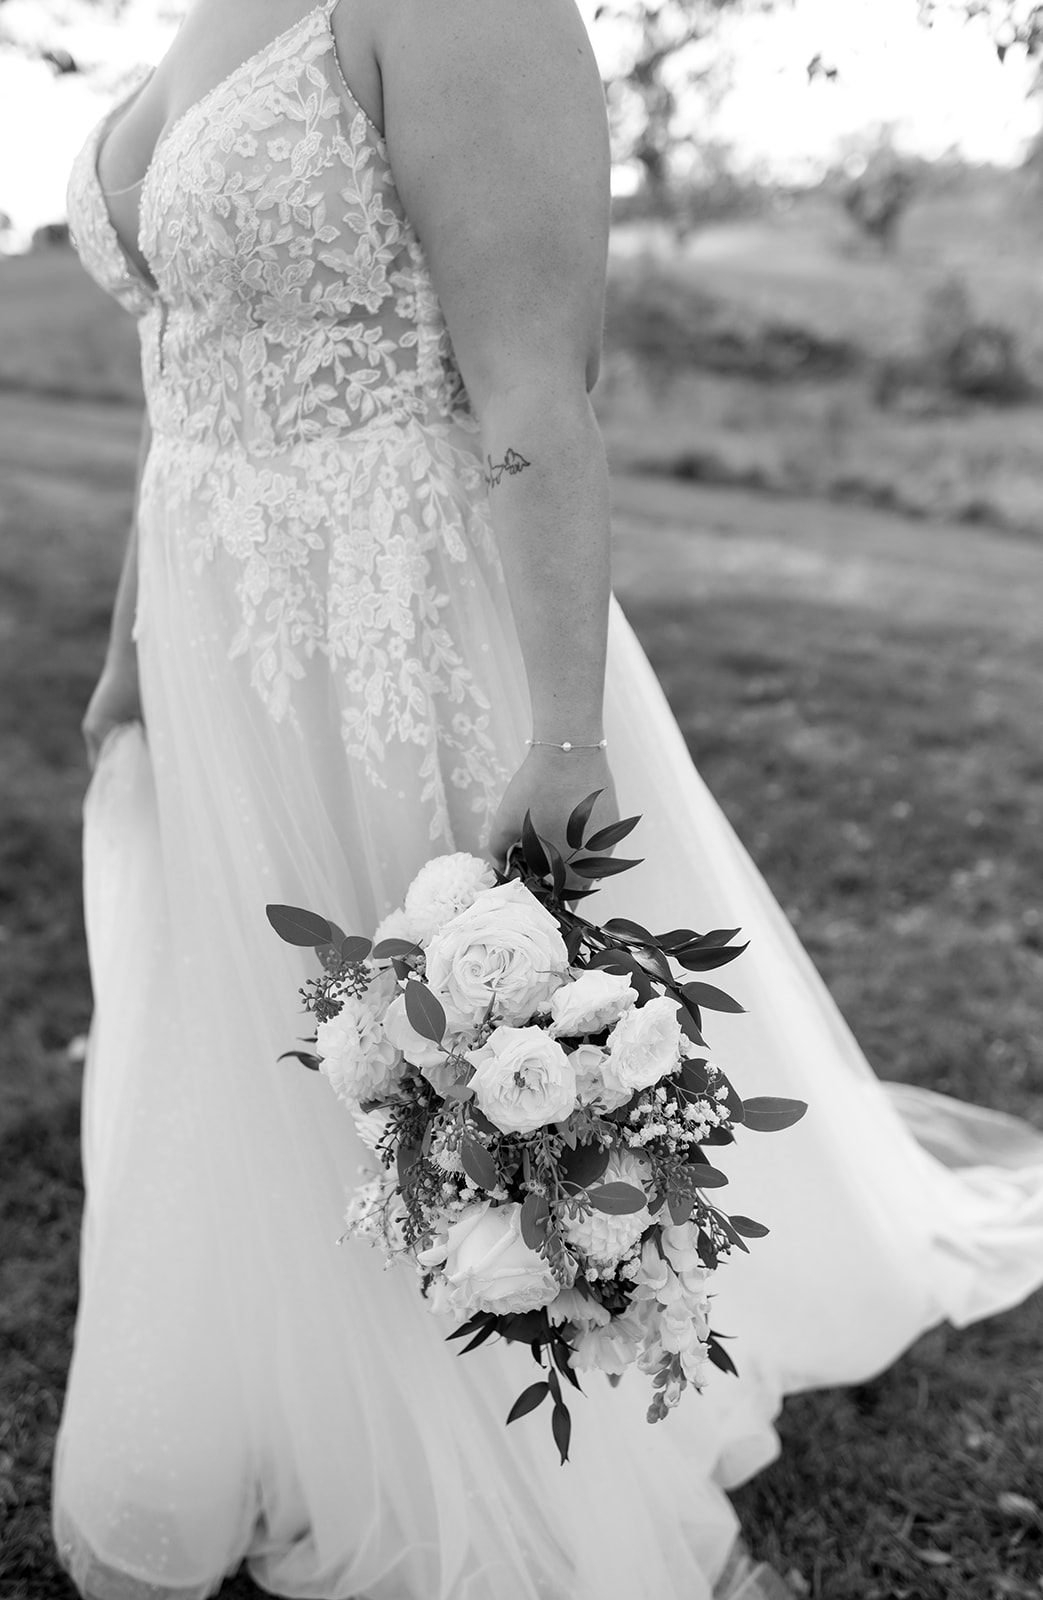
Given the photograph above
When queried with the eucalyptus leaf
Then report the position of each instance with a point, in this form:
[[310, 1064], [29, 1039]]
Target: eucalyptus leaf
[[706, 1177], [299, 927], [748, 1228], [535, 1214], [387, 948], [478, 1163], [618, 1199], [424, 1012], [585, 1164], [766, 1114]]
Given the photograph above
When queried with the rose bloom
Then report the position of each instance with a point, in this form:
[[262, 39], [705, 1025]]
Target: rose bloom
[[604, 1238], [356, 1055], [610, 1349], [489, 1267], [591, 1090], [505, 950], [592, 1001], [523, 1080], [443, 888], [643, 1046]]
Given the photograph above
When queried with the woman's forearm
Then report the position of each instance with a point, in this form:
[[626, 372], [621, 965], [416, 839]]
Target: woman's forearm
[[549, 498], [121, 640]]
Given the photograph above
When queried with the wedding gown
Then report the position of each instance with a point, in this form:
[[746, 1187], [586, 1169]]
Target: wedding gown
[[333, 691]]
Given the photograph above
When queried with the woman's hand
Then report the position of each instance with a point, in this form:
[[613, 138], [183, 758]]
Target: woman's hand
[[550, 783], [116, 700]]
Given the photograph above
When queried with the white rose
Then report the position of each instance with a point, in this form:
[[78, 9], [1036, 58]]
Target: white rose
[[356, 1055], [523, 1080], [489, 1267], [604, 1238], [590, 1002], [505, 950], [611, 1348], [443, 888], [571, 1306], [591, 1090], [643, 1046], [416, 1049]]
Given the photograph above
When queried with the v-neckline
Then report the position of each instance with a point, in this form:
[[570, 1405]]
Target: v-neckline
[[146, 279]]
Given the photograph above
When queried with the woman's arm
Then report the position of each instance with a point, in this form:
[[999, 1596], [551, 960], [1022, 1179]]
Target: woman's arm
[[116, 697], [496, 131]]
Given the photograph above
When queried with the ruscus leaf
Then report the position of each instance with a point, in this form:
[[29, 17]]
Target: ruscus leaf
[[578, 819], [528, 1400], [313, 1063], [615, 833], [707, 960], [705, 994], [602, 866], [561, 1427], [299, 927], [532, 847]]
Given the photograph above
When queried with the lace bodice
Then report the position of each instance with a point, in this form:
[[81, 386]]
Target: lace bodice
[[289, 298], [314, 455]]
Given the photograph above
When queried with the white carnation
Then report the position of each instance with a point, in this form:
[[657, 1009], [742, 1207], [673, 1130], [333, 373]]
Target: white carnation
[[443, 888], [396, 925], [356, 1055], [603, 1238], [371, 1126]]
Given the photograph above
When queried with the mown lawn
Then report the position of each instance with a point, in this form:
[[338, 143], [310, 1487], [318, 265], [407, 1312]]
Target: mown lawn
[[865, 696]]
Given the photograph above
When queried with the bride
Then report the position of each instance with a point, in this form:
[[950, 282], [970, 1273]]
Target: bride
[[364, 618]]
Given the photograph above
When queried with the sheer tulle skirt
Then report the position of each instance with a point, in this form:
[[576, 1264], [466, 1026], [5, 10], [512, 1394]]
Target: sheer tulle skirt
[[241, 1384]]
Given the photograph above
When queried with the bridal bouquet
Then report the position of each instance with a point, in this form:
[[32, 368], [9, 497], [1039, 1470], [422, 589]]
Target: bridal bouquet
[[540, 1097]]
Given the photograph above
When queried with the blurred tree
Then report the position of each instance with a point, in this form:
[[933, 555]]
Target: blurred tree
[[876, 199], [668, 52], [1012, 23]]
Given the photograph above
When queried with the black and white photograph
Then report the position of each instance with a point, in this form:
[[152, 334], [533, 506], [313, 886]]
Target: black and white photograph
[[521, 799]]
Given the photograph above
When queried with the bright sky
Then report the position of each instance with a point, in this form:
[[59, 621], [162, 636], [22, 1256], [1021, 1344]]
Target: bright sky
[[937, 89]]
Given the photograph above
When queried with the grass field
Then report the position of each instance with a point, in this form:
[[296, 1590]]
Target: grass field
[[863, 692]]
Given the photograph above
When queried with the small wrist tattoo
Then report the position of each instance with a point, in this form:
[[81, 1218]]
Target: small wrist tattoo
[[512, 463]]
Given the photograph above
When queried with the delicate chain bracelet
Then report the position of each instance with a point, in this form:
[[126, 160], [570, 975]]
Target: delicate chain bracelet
[[568, 744]]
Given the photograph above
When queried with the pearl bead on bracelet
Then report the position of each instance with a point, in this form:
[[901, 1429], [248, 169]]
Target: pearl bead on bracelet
[[568, 744]]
